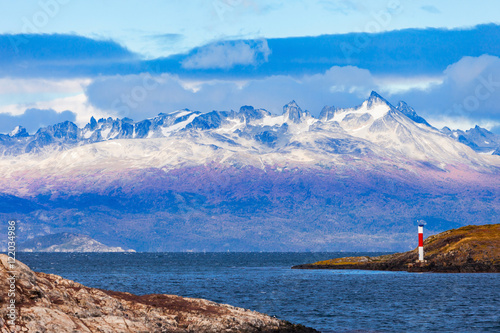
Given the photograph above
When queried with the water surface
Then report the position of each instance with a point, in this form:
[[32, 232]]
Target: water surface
[[328, 300]]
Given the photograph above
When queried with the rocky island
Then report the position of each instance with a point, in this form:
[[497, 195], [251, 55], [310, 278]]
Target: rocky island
[[470, 249], [50, 303], [67, 242]]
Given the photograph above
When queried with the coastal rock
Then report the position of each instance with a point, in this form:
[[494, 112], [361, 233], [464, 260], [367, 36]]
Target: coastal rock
[[50, 303], [470, 249]]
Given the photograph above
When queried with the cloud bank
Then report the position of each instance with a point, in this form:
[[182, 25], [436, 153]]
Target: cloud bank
[[226, 55], [468, 93], [407, 52], [33, 119], [141, 96], [449, 76], [61, 56]]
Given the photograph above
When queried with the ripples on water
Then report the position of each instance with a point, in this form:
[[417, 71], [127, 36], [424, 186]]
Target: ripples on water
[[330, 301]]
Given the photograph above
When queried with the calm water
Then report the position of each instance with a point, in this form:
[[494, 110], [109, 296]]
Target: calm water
[[330, 301]]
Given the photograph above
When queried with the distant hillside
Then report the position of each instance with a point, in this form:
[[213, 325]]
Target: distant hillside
[[467, 249], [67, 242]]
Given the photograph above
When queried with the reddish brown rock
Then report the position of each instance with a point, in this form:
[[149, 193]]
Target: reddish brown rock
[[50, 303]]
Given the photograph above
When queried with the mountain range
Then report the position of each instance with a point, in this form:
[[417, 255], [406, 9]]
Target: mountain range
[[67, 135], [350, 179], [479, 139]]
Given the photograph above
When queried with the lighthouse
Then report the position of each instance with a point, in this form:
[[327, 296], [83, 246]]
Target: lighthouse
[[421, 224]]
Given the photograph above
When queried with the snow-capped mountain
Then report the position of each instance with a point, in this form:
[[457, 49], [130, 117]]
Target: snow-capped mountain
[[67, 135], [248, 180]]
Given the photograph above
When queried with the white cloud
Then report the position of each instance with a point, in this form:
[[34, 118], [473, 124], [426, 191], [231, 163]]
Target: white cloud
[[35, 86], [468, 69], [28, 91], [463, 123], [347, 79], [228, 54], [393, 85], [18, 95], [469, 94], [77, 104], [120, 94]]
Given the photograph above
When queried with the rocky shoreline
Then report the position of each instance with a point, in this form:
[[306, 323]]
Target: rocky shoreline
[[470, 249], [50, 303]]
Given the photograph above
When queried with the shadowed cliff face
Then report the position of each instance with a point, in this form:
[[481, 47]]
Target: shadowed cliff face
[[468, 249], [49, 303]]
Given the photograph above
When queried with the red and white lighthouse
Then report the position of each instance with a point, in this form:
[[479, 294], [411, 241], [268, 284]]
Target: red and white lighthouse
[[421, 224]]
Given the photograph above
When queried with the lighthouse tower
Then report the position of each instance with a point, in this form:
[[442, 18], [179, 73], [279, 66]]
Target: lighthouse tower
[[421, 224]]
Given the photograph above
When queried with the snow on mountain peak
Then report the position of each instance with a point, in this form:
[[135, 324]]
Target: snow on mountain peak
[[398, 130], [373, 108], [375, 99], [327, 113], [18, 132], [410, 113], [250, 113], [292, 103], [177, 113]]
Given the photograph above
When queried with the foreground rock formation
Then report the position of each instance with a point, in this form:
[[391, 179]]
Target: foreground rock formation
[[50, 303], [464, 250]]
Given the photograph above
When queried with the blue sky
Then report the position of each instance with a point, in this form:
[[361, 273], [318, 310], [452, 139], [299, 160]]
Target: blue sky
[[136, 59]]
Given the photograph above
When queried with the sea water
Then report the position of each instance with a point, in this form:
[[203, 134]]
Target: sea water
[[327, 300]]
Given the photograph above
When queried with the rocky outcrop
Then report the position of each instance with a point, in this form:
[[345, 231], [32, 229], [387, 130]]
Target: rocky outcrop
[[50, 303], [410, 113], [293, 112], [470, 249]]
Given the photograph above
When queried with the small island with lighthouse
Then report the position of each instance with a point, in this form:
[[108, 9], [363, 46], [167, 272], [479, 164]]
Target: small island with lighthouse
[[470, 249]]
